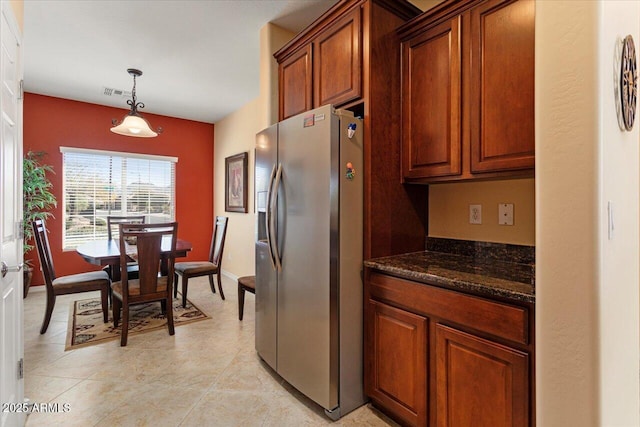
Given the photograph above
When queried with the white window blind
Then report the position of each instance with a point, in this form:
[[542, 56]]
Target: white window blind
[[101, 183]]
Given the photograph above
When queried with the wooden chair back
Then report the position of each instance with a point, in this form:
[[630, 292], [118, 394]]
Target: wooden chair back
[[217, 240], [64, 285], [148, 248], [113, 223], [44, 252]]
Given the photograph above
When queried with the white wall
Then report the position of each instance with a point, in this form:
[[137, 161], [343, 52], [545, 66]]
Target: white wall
[[618, 291], [235, 134], [272, 38], [586, 285]]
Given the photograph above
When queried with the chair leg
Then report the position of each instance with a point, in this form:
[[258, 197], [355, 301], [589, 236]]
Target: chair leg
[[185, 284], [116, 305], [220, 285], [51, 301], [240, 301], [125, 325], [169, 305], [175, 285], [104, 294], [211, 285], [163, 306]]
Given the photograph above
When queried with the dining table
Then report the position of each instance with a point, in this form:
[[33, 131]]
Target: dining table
[[105, 252]]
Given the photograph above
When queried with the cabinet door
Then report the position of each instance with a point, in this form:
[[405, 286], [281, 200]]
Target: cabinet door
[[338, 62], [431, 144], [396, 362], [502, 85], [479, 382], [296, 84]]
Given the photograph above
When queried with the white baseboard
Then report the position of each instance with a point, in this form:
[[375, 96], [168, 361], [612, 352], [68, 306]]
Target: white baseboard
[[231, 275], [38, 288]]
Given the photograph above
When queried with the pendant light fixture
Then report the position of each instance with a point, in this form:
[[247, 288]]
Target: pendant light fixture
[[133, 124]]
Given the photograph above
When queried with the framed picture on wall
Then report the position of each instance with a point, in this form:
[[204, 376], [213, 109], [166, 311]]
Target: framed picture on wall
[[235, 185]]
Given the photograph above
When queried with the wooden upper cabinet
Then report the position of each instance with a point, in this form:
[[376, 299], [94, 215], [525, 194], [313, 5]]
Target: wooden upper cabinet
[[337, 61], [353, 52], [327, 70], [502, 85], [468, 85], [295, 79], [479, 382], [431, 139]]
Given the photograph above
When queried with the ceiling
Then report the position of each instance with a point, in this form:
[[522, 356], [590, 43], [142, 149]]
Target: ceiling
[[200, 58]]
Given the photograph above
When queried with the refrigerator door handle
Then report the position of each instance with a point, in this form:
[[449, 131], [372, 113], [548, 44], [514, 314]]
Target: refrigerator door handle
[[267, 216], [272, 224]]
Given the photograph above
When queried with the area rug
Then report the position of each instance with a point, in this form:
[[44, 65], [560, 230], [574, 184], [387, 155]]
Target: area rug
[[86, 326]]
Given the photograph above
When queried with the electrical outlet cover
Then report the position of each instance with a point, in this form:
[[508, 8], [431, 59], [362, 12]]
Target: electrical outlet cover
[[505, 214], [475, 214]]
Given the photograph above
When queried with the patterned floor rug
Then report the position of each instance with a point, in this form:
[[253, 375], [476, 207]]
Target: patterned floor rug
[[87, 328]]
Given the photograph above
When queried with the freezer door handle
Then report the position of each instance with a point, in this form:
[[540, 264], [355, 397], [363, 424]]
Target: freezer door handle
[[272, 223], [267, 216]]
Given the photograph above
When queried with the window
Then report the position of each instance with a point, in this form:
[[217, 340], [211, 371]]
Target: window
[[100, 183]]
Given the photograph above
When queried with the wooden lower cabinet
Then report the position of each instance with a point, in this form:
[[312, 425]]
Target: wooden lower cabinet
[[398, 370], [432, 358], [478, 382]]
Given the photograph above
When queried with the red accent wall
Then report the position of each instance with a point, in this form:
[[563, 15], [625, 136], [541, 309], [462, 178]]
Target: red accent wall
[[50, 123]]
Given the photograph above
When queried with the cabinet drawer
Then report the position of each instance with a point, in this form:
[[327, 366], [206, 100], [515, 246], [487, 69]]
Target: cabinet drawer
[[497, 319]]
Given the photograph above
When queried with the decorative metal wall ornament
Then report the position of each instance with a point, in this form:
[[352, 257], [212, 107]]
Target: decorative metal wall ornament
[[628, 82], [133, 124]]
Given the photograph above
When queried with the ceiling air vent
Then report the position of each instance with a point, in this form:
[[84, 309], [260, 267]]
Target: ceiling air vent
[[116, 93]]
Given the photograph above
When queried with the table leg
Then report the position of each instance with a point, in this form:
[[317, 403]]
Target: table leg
[[114, 270], [164, 267]]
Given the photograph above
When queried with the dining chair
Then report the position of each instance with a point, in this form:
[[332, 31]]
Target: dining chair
[[143, 242], [113, 223], [64, 285], [245, 284], [213, 266]]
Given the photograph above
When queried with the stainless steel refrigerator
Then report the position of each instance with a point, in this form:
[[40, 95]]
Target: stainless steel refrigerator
[[309, 190]]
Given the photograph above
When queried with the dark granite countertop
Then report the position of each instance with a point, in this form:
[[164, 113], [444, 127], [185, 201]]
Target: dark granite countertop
[[486, 269]]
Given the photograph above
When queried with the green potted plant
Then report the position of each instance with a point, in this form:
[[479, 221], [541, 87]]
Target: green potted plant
[[38, 200]]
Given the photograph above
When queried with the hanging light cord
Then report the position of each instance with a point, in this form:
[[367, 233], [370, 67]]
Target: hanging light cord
[[132, 102]]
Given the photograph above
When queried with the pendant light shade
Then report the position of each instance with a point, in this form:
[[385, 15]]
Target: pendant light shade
[[133, 124]]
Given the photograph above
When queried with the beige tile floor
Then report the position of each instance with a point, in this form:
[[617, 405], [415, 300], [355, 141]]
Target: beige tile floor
[[207, 374]]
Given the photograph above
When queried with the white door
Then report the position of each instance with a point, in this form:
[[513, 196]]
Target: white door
[[11, 320]]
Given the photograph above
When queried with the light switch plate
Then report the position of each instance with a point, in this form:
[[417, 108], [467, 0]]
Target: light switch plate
[[475, 214], [505, 214], [610, 224]]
